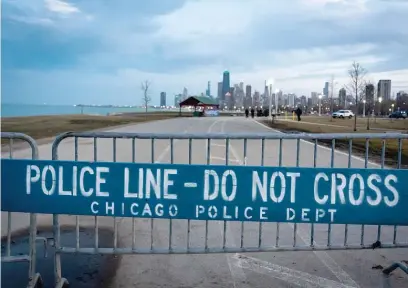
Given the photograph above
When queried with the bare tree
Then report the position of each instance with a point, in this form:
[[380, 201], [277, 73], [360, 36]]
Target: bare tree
[[146, 97], [356, 86]]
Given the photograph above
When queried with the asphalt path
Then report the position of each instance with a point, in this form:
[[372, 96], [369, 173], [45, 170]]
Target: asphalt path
[[278, 269]]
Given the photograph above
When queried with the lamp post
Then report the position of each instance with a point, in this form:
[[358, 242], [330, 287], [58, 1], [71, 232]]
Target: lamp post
[[320, 105], [364, 101], [380, 108]]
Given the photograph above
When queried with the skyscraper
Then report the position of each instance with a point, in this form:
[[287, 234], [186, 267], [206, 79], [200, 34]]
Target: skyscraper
[[291, 100], [256, 99], [231, 101], [384, 89], [303, 101], [342, 98], [219, 93], [163, 99], [185, 94], [326, 89], [177, 99], [208, 91], [248, 97], [225, 84], [279, 99], [315, 99], [266, 96]]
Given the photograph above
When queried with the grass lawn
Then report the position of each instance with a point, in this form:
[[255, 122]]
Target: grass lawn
[[381, 123], [40, 127], [375, 146]]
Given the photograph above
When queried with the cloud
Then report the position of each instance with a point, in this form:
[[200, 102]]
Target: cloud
[[84, 51], [61, 7]]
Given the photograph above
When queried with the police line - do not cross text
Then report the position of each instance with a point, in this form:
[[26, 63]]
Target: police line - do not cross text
[[241, 193]]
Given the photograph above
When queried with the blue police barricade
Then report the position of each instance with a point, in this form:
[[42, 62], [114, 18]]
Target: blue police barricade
[[34, 279], [288, 194]]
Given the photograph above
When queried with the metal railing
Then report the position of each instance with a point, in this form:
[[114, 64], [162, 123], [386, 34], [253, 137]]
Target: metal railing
[[264, 237], [34, 278]]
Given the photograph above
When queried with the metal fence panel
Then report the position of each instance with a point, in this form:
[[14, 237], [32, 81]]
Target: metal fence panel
[[259, 234], [34, 278], [166, 234]]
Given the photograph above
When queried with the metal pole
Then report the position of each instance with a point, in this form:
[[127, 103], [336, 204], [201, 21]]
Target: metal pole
[[364, 108], [331, 100], [320, 105]]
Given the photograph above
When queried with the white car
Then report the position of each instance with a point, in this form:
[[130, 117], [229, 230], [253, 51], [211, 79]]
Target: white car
[[343, 114]]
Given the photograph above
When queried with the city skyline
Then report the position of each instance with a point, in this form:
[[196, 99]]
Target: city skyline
[[65, 52]]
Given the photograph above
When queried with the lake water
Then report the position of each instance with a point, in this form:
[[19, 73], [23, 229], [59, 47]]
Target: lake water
[[16, 110]]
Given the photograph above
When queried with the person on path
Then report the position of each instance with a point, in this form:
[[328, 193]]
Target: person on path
[[246, 112], [252, 112], [298, 113]]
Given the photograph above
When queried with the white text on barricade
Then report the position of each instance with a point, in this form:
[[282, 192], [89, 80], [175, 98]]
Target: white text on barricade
[[218, 194]]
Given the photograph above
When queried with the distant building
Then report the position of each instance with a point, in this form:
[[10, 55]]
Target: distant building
[[315, 98], [291, 100], [256, 99], [342, 98], [280, 101], [326, 89], [162, 99], [219, 93], [402, 100], [266, 96], [225, 84], [177, 99], [208, 91], [248, 97], [185, 94], [303, 101], [230, 102], [384, 89], [309, 103]]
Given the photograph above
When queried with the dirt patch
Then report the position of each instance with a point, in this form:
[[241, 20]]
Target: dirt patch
[[83, 271]]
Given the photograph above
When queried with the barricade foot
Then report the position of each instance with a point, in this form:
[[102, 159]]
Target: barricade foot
[[63, 283], [36, 282], [394, 266]]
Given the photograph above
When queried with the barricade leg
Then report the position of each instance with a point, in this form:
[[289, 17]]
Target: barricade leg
[[394, 266], [34, 279], [59, 281]]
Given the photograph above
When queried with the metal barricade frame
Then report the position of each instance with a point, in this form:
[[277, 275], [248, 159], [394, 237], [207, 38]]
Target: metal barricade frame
[[34, 278], [237, 136]]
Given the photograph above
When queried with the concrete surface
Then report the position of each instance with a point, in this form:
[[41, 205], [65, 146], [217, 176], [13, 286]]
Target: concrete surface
[[280, 269]]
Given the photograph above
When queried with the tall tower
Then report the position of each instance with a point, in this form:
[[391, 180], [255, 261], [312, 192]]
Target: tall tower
[[225, 84], [208, 92]]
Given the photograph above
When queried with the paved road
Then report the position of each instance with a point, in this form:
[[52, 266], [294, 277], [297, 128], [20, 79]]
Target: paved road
[[284, 269]]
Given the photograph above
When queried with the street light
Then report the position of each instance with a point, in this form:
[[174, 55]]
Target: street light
[[364, 101], [320, 105], [379, 101]]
